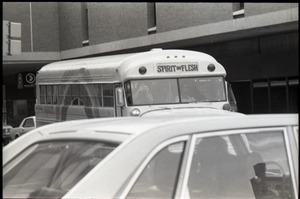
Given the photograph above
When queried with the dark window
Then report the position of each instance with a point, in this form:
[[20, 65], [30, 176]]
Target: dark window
[[293, 90], [67, 94], [28, 123], [49, 94], [93, 92], [55, 94], [237, 6], [238, 10], [42, 94], [108, 95], [99, 97], [261, 101], [62, 89], [278, 94], [151, 15], [85, 24], [242, 91]]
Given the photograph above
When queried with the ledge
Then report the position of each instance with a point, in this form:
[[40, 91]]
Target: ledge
[[284, 20], [32, 57], [257, 25]]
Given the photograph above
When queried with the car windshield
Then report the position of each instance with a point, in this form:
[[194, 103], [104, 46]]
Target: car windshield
[[51, 169], [183, 90]]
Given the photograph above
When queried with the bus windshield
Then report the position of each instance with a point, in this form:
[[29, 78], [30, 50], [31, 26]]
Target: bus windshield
[[176, 90]]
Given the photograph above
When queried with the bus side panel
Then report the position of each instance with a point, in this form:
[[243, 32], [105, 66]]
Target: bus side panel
[[46, 114]]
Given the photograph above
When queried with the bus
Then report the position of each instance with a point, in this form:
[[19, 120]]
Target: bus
[[130, 85]]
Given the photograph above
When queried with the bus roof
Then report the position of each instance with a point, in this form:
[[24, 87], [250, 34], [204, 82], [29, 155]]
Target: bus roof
[[118, 68]]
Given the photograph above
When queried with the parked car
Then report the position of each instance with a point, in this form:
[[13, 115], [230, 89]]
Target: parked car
[[26, 125], [6, 134], [220, 156]]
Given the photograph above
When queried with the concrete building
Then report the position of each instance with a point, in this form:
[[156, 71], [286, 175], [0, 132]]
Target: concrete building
[[257, 43]]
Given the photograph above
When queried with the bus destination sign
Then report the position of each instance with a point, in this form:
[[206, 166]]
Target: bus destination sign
[[177, 67]]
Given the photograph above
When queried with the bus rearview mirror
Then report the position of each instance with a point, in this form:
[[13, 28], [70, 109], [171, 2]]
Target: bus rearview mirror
[[119, 97]]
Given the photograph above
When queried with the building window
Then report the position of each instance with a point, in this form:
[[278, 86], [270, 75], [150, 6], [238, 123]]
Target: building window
[[292, 94], [85, 24], [238, 10], [273, 95], [261, 96], [151, 15]]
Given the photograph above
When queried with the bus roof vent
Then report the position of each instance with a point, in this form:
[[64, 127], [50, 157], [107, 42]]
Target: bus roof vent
[[156, 49]]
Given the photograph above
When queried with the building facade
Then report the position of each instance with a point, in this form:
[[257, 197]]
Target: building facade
[[257, 43]]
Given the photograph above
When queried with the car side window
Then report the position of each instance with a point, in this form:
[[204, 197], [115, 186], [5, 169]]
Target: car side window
[[28, 123], [269, 160], [159, 178], [246, 165]]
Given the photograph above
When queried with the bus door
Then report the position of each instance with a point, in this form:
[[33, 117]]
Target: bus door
[[231, 98]]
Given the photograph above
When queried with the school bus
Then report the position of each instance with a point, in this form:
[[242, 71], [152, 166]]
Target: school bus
[[130, 85]]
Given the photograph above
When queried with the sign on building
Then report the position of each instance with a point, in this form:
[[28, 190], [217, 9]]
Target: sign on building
[[11, 40], [26, 80]]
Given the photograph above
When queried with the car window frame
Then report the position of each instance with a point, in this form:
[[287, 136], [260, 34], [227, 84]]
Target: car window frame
[[296, 135], [183, 191], [294, 147], [154, 152]]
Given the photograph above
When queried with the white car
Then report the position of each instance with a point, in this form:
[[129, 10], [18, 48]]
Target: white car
[[220, 156], [27, 124]]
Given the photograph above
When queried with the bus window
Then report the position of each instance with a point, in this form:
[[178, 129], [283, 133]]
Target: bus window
[[108, 97], [142, 92], [76, 95], [77, 102], [75, 90], [49, 94], [42, 94], [55, 94], [127, 87], [231, 98], [145, 92], [99, 96], [90, 93], [61, 94], [65, 94], [82, 95], [210, 89]]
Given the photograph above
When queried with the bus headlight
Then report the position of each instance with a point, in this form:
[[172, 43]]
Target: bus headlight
[[135, 112], [211, 67], [226, 107], [142, 70]]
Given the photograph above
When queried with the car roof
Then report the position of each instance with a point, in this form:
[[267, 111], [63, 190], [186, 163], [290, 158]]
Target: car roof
[[131, 125], [117, 130], [126, 126]]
